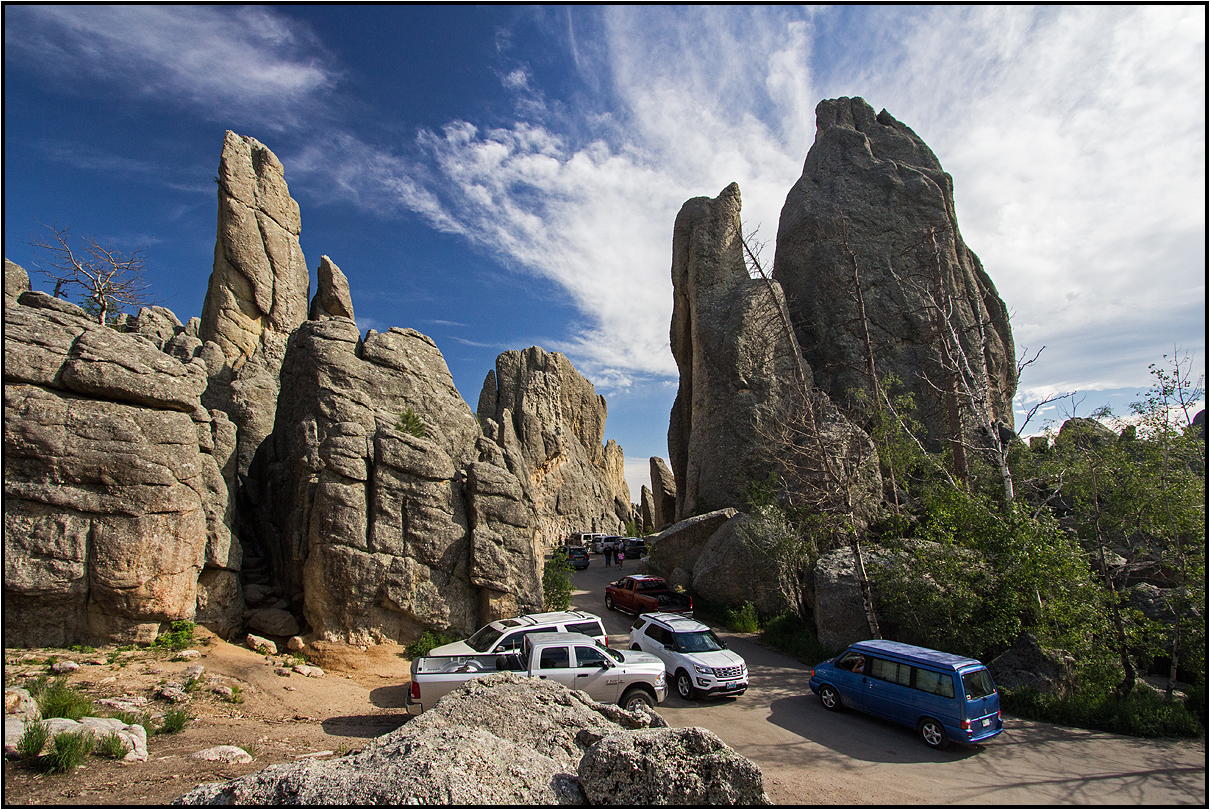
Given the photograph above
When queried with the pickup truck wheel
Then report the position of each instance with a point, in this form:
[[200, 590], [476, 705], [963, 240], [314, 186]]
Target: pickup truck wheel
[[609, 602], [631, 700], [933, 734], [684, 685], [829, 698]]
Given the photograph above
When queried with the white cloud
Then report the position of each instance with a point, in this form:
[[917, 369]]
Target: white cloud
[[247, 62]]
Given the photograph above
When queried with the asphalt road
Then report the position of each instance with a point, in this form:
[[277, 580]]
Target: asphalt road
[[812, 756]]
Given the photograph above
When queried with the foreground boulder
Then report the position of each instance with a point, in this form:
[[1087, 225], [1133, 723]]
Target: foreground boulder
[[1029, 665], [499, 740]]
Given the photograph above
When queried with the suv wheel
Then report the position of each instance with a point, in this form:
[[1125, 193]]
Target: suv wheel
[[684, 685], [829, 698], [933, 734]]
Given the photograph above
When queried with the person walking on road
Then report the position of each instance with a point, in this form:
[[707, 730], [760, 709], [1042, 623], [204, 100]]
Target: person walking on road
[[608, 554], [621, 556]]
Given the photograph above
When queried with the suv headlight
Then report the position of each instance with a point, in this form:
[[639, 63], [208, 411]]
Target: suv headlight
[[703, 670]]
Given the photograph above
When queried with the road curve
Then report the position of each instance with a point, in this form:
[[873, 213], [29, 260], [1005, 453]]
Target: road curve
[[812, 756]]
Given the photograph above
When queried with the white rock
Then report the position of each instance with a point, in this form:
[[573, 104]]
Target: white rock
[[223, 753], [309, 671], [187, 655], [295, 643], [63, 667], [261, 644]]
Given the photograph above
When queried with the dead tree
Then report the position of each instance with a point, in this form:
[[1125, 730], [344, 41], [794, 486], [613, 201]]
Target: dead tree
[[108, 278]]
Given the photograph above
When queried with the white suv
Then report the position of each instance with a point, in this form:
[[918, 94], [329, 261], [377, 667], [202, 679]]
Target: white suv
[[506, 635], [700, 663]]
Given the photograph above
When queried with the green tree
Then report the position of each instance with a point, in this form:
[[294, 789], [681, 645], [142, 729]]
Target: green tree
[[556, 582]]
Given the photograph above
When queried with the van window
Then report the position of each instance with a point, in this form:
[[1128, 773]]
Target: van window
[[587, 628], [890, 671], [935, 683], [977, 684], [849, 660], [554, 658]]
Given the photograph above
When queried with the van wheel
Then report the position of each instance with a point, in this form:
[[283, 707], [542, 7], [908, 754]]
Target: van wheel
[[829, 698], [684, 685], [933, 734], [609, 602], [631, 700]]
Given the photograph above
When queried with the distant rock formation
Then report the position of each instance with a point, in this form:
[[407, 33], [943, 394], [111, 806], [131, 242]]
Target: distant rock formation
[[332, 298], [663, 494], [871, 186], [115, 487], [646, 509], [538, 401]]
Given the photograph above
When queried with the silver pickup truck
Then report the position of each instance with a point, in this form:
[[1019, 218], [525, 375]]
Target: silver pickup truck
[[572, 659]]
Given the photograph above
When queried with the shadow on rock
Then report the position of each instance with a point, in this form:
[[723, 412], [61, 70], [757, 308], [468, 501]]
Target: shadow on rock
[[363, 725]]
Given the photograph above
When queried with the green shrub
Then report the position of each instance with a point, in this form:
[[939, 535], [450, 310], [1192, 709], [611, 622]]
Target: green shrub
[[236, 695], [427, 641], [178, 638], [791, 635], [743, 619], [556, 583], [111, 746], [79, 648], [32, 741], [1139, 714], [410, 423], [174, 721], [68, 751], [57, 699]]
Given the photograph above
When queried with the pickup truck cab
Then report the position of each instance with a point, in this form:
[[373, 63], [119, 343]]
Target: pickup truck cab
[[643, 593], [700, 663], [944, 697], [572, 659], [506, 635]]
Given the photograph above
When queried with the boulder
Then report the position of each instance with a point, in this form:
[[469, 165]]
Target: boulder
[[558, 421], [1027, 664], [273, 622], [684, 766], [663, 495], [1085, 433], [679, 545], [16, 281], [261, 645], [840, 617], [646, 509], [748, 560], [332, 298], [19, 702], [872, 192], [223, 753]]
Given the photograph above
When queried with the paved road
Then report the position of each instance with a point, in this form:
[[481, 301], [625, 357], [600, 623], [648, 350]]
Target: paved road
[[812, 756]]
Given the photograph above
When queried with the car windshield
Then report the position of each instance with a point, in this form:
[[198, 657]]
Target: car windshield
[[978, 684], [483, 640], [704, 641]]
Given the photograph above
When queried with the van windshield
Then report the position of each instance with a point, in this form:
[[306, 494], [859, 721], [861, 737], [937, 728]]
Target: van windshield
[[978, 684]]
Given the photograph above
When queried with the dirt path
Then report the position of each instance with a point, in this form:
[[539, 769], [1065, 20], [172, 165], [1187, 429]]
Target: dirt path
[[282, 717]]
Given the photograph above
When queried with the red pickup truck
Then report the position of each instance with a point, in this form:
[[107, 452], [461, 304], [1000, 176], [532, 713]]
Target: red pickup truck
[[642, 593]]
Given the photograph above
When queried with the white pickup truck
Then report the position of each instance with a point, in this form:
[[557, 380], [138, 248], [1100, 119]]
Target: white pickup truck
[[572, 659]]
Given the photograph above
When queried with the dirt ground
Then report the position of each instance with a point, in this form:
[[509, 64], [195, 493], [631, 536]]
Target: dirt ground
[[282, 717]]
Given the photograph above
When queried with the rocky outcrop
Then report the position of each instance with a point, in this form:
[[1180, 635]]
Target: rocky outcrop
[[366, 512], [836, 600], [558, 421], [744, 561], [872, 191], [663, 495], [258, 290], [16, 281], [1027, 664], [332, 298], [115, 496], [646, 509], [508, 740], [679, 545]]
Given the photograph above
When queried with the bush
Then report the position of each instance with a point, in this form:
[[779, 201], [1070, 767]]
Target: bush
[[32, 741], [57, 699], [174, 721], [789, 634], [556, 583], [1139, 714], [111, 746], [68, 751], [743, 619], [178, 638], [427, 641], [410, 423]]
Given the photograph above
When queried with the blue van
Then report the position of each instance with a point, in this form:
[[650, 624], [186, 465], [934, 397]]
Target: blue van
[[944, 697]]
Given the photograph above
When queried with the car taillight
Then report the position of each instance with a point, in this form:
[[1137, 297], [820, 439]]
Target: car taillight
[[966, 725], [415, 691]]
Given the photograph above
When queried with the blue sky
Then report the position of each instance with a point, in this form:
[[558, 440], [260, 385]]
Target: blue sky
[[503, 176]]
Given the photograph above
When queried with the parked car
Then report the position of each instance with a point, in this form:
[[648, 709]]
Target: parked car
[[604, 541], [700, 664], [577, 556], [634, 547], [506, 635], [643, 593], [944, 697], [573, 659], [586, 539]]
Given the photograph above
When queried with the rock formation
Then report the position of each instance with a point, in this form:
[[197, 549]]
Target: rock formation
[[557, 420], [646, 509], [663, 495], [508, 740], [115, 496], [871, 191]]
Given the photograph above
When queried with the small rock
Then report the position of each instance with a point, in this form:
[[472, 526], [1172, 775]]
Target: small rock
[[282, 671], [187, 655], [194, 671], [223, 753], [295, 643], [20, 702], [63, 667], [261, 645], [288, 688], [96, 662], [154, 670], [309, 671], [222, 690], [172, 694]]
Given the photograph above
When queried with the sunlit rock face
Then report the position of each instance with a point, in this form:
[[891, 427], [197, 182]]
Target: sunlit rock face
[[873, 193]]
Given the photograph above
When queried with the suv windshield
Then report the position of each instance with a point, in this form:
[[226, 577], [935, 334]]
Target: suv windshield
[[483, 640], [977, 684], [704, 641]]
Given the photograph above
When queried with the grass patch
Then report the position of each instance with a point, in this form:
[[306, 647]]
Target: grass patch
[[57, 699], [1139, 714], [80, 648], [132, 719], [68, 751], [427, 642], [111, 746], [32, 741], [743, 619], [174, 721], [178, 638], [789, 634], [236, 695]]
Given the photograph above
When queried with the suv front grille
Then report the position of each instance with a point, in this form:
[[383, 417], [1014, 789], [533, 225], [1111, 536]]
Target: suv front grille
[[728, 672]]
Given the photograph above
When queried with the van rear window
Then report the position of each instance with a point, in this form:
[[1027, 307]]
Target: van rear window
[[978, 684], [935, 683]]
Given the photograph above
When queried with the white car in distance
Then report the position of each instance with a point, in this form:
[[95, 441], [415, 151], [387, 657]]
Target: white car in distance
[[699, 663]]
